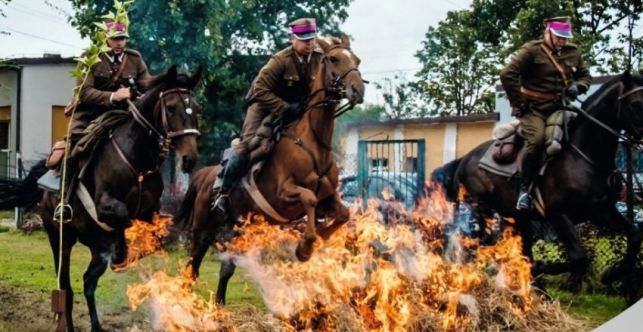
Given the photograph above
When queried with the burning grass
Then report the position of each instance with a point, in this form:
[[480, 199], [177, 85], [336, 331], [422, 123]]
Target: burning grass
[[369, 277]]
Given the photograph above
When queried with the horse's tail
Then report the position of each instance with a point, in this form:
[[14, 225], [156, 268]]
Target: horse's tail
[[183, 217], [22, 192], [444, 176]]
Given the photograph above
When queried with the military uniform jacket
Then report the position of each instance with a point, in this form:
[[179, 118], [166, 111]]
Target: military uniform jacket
[[532, 69], [94, 98], [283, 80]]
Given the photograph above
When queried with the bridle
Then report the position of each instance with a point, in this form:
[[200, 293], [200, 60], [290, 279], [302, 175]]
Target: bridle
[[164, 137], [629, 139]]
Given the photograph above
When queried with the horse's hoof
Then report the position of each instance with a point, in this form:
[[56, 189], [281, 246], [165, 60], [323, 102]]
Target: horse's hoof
[[303, 251], [120, 267]]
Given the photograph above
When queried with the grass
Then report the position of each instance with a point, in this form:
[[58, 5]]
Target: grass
[[26, 261], [594, 308]]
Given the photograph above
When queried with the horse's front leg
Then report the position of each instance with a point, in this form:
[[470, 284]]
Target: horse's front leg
[[332, 207], [95, 270], [115, 214], [308, 200]]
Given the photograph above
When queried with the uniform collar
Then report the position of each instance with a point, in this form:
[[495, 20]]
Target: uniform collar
[[111, 57]]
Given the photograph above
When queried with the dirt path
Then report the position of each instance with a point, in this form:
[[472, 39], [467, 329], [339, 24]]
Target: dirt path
[[30, 310]]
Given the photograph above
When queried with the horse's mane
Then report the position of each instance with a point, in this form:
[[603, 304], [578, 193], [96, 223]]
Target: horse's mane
[[591, 99], [155, 85]]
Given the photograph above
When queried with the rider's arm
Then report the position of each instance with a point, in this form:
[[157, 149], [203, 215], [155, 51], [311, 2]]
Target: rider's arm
[[582, 77], [266, 83], [510, 76], [90, 95]]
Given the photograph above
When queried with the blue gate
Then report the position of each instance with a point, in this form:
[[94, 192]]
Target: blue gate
[[392, 169]]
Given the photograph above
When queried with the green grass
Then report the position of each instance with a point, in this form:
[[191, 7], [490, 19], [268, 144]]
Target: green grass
[[27, 262], [594, 308], [6, 214]]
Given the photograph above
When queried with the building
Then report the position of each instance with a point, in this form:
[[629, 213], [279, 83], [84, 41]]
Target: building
[[33, 95], [446, 138]]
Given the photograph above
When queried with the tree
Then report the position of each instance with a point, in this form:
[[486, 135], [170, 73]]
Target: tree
[[400, 100], [457, 68], [232, 39], [462, 55], [3, 2]]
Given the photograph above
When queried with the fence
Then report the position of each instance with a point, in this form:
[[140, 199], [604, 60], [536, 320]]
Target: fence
[[391, 169]]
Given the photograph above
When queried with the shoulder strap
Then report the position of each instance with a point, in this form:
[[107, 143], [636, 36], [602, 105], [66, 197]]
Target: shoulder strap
[[554, 62]]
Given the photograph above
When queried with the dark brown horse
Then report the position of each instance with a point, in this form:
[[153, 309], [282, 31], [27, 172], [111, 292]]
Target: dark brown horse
[[577, 184], [123, 180], [299, 179]]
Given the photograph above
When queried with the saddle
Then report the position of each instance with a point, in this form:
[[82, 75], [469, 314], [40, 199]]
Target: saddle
[[509, 141]]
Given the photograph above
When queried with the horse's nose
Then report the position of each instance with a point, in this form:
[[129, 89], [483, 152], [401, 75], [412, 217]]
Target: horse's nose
[[187, 164], [358, 98]]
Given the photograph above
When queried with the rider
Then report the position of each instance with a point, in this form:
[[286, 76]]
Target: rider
[[104, 90], [281, 88], [536, 81]]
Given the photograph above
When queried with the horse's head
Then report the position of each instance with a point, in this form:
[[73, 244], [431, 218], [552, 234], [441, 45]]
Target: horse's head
[[630, 105], [342, 65], [175, 113]]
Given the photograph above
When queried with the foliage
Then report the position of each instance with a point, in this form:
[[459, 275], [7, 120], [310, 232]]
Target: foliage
[[457, 69], [400, 100], [3, 2], [462, 55], [231, 39]]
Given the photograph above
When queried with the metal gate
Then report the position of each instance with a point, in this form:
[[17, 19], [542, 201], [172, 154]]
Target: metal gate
[[392, 169]]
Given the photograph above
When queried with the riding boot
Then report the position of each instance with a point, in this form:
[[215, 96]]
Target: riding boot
[[530, 166], [69, 185], [235, 168]]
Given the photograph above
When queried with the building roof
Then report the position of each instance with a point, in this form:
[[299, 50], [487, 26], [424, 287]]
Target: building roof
[[488, 117], [595, 80], [46, 59]]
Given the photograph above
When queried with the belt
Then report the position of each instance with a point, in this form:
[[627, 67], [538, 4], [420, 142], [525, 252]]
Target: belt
[[542, 96]]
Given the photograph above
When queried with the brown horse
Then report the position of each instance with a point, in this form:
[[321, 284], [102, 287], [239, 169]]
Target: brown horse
[[123, 180], [299, 179]]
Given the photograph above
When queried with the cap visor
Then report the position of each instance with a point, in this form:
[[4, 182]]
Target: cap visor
[[562, 34], [305, 36]]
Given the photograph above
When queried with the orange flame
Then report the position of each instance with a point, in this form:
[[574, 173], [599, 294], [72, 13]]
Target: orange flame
[[145, 238]]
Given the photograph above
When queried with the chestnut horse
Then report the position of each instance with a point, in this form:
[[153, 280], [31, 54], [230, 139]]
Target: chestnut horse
[[299, 179], [123, 180]]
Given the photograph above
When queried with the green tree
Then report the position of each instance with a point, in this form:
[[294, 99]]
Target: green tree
[[400, 99], [232, 39], [458, 69]]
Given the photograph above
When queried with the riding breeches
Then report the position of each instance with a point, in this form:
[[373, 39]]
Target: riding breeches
[[533, 128], [254, 115]]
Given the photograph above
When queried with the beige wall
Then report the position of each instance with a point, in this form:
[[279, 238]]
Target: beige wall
[[471, 135]]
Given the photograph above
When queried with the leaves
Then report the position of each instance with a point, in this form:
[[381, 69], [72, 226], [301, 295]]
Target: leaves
[[232, 39]]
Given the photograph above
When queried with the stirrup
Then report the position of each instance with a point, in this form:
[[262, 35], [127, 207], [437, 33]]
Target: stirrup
[[524, 201], [64, 210], [219, 202]]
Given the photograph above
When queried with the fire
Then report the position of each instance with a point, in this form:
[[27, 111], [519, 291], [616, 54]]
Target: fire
[[145, 238], [175, 307], [383, 275], [369, 276]]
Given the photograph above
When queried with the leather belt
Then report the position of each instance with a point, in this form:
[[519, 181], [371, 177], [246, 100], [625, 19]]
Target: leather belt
[[542, 96]]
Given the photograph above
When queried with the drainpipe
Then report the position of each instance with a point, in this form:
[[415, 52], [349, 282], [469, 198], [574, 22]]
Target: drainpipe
[[18, 159]]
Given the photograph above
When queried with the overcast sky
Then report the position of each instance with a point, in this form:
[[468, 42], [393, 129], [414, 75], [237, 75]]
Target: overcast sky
[[386, 33]]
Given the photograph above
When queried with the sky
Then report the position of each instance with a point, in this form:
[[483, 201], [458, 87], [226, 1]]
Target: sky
[[385, 33]]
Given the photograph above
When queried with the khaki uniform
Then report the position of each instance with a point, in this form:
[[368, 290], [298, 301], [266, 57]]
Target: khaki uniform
[[283, 80], [94, 97], [542, 85]]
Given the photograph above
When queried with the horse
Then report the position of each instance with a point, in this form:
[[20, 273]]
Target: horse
[[577, 184], [123, 181], [299, 178]]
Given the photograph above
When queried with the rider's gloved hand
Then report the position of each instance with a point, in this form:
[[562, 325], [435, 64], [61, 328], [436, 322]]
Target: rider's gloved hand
[[572, 91], [293, 110]]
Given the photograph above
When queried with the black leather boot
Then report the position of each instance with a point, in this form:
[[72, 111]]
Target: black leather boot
[[64, 211], [235, 168], [529, 170]]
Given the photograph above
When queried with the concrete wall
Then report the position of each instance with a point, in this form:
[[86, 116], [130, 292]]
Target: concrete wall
[[43, 86]]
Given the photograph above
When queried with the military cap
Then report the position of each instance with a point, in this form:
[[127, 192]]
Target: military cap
[[119, 29], [560, 26], [303, 28]]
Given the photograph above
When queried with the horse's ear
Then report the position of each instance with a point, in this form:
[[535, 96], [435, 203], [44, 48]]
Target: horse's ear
[[323, 43], [171, 73], [346, 42], [626, 78], [194, 79]]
